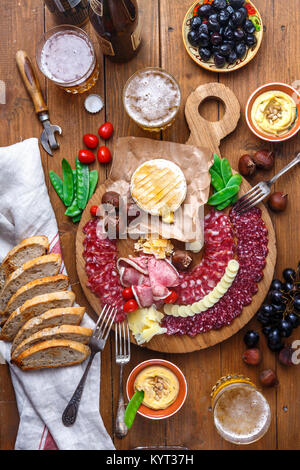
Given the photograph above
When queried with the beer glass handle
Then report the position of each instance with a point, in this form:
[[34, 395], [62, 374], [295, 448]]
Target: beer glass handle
[[31, 81]]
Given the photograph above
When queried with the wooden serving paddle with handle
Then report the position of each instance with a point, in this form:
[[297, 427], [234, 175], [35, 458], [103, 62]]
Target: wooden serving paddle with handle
[[206, 133]]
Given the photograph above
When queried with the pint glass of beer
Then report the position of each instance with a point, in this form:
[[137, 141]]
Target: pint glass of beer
[[66, 56], [151, 98], [241, 413]]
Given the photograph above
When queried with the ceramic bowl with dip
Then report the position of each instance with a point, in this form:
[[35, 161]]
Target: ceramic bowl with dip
[[164, 385], [273, 112]]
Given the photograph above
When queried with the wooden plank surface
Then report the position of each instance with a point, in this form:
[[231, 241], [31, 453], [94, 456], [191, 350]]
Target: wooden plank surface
[[22, 24]]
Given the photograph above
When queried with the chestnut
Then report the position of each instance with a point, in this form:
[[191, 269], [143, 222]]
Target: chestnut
[[285, 356], [264, 159], [247, 166], [111, 197], [181, 260], [252, 356], [278, 201], [268, 378]]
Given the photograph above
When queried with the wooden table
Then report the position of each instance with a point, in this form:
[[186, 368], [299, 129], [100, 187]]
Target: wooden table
[[22, 24]]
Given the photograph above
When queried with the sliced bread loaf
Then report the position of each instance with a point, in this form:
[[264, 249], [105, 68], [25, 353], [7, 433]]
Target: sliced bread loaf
[[28, 249], [53, 353], [44, 285], [34, 307], [51, 318], [36, 268], [69, 332]]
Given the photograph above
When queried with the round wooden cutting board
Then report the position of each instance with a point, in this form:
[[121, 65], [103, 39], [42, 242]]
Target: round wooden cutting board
[[212, 134]]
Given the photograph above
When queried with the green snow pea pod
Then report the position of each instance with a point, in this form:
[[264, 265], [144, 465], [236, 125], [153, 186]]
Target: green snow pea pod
[[73, 210], [68, 187], [57, 184], [132, 407], [93, 182], [235, 179], [216, 180], [77, 218], [231, 201], [82, 184], [226, 170], [223, 195], [217, 164]]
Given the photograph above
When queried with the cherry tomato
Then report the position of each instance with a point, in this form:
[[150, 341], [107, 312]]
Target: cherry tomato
[[91, 141], [93, 211], [130, 306], [171, 298], [106, 130], [127, 293], [103, 154], [86, 156]]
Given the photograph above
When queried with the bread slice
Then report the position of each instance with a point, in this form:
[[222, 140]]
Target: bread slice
[[69, 332], [53, 353], [34, 307], [49, 319], [28, 249], [36, 268], [44, 285]]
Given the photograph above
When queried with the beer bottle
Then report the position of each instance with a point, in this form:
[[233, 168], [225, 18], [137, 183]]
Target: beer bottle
[[118, 27], [69, 11]]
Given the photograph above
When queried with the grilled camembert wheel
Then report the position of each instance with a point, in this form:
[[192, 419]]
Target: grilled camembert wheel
[[159, 187]]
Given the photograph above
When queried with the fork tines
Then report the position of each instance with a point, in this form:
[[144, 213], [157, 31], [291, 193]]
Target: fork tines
[[122, 340], [105, 322], [250, 199]]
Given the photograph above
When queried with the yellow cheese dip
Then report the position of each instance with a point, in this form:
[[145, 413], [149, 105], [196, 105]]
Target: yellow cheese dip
[[274, 113], [160, 387]]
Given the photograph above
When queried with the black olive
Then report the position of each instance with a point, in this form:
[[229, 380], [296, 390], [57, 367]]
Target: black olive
[[195, 22], [239, 35], [223, 17], [216, 38], [249, 27], [204, 10], [213, 24], [219, 60], [240, 49], [236, 18], [205, 53], [250, 40], [203, 40], [219, 4], [225, 49], [230, 9], [243, 11], [213, 16], [228, 33], [230, 24], [236, 3], [203, 29], [215, 49], [221, 30], [230, 43], [194, 38]]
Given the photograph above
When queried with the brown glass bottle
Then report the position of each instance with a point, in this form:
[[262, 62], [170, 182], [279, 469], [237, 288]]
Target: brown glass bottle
[[69, 11], [118, 28]]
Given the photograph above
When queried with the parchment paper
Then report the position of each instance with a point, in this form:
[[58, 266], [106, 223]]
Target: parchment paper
[[130, 152]]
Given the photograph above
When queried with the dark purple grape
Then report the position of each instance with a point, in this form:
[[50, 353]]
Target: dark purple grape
[[216, 38], [205, 54], [236, 3], [250, 40], [204, 10], [293, 319], [276, 284], [285, 328], [266, 330], [278, 309], [267, 309], [236, 18], [275, 346], [203, 29], [274, 336], [225, 49], [276, 297], [289, 274], [228, 33], [251, 338], [223, 17], [297, 303], [263, 319], [287, 287], [219, 4], [219, 60], [203, 40], [194, 38], [213, 24], [195, 23], [249, 27], [238, 35], [240, 49]]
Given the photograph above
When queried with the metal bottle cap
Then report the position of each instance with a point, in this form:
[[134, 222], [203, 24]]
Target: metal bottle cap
[[93, 103]]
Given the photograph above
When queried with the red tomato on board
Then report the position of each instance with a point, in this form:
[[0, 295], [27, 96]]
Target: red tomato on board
[[93, 211], [103, 154], [106, 130], [86, 156], [91, 141], [127, 293], [171, 298], [130, 306]]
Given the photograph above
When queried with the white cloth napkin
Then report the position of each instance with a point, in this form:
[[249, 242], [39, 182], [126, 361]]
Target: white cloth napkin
[[42, 395]]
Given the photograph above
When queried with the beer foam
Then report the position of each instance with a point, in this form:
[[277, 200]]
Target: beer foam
[[152, 98]]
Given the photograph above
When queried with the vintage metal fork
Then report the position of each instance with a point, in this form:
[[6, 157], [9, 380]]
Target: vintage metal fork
[[122, 340], [262, 189], [96, 343]]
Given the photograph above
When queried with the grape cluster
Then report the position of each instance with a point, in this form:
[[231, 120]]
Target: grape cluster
[[281, 314]]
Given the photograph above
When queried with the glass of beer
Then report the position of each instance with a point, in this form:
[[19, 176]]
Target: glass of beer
[[151, 98], [241, 413], [66, 56]]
